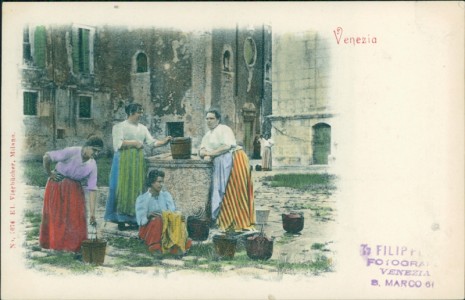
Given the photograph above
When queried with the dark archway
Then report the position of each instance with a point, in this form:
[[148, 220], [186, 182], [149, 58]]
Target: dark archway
[[321, 143]]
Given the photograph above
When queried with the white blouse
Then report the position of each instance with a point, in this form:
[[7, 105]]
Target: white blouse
[[128, 131], [219, 136]]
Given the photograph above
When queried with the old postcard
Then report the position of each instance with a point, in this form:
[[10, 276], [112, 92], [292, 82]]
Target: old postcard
[[269, 150]]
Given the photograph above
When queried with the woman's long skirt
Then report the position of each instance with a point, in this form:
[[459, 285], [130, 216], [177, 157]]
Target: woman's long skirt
[[63, 216], [266, 159], [152, 234], [222, 166], [238, 202], [127, 178]]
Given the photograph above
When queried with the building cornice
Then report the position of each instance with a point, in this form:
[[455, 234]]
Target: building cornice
[[300, 116]]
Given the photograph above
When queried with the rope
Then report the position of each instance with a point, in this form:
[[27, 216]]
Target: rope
[[290, 136]]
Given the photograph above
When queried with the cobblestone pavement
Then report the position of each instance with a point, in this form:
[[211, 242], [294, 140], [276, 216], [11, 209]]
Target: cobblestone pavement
[[315, 239]]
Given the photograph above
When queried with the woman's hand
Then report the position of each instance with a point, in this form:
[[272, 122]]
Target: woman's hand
[[138, 144], [167, 139], [154, 214], [206, 155], [55, 176]]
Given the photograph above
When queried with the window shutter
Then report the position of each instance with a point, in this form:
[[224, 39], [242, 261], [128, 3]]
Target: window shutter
[[40, 40], [30, 104], [85, 51], [75, 54]]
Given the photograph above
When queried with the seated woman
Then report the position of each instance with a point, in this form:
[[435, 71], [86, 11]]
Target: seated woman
[[161, 227]]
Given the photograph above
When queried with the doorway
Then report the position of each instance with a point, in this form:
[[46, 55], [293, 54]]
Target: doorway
[[321, 143]]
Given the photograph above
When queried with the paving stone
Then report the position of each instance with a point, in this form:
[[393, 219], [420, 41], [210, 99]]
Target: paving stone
[[317, 229], [173, 262], [38, 254]]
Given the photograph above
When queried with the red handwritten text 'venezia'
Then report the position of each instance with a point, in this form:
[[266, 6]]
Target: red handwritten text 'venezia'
[[354, 40]]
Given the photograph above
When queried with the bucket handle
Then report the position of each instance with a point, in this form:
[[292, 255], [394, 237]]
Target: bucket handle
[[93, 231]]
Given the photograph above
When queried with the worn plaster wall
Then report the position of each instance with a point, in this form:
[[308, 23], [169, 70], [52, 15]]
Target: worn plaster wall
[[300, 76], [164, 89], [266, 108], [238, 91], [183, 78]]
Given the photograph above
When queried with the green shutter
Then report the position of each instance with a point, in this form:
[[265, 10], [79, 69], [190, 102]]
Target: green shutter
[[40, 42], [30, 104], [81, 50], [75, 44], [85, 51]]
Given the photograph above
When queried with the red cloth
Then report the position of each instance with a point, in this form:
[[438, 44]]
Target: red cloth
[[151, 234], [63, 216]]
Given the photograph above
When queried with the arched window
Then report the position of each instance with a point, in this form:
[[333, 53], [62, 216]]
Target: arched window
[[226, 60], [141, 63]]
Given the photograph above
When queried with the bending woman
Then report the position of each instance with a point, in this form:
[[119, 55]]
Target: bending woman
[[232, 199], [64, 212], [128, 169]]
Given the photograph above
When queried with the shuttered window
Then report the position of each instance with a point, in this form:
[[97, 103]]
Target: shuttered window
[[30, 103], [81, 50]]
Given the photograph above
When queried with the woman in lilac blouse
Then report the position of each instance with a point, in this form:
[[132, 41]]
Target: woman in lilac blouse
[[64, 212]]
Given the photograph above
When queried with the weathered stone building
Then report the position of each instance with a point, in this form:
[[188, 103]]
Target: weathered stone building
[[302, 109], [76, 80]]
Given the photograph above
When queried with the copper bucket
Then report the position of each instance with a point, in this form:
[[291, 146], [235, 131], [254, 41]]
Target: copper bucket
[[197, 229], [259, 247], [293, 222]]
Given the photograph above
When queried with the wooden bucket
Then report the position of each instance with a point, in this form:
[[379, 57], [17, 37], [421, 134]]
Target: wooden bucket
[[225, 246], [93, 251], [181, 148]]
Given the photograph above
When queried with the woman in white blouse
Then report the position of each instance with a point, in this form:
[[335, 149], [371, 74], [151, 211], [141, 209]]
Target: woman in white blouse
[[232, 200], [128, 168]]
